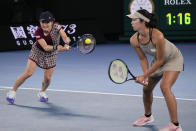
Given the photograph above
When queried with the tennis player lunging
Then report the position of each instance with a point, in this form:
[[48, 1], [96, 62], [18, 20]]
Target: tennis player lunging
[[167, 64], [43, 54]]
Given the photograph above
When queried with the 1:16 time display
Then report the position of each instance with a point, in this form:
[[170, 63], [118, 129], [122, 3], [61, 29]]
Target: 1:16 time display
[[180, 18]]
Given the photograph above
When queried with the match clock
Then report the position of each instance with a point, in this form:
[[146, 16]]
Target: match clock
[[179, 18], [135, 5]]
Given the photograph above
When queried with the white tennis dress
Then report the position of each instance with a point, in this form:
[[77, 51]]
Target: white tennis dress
[[173, 59]]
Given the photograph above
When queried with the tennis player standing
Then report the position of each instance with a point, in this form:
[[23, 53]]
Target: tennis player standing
[[43, 54], [166, 65]]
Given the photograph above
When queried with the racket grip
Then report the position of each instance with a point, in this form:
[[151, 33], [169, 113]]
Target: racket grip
[[134, 77], [55, 47]]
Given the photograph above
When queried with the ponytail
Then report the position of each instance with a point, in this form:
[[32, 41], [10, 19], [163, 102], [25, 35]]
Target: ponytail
[[151, 16], [153, 21]]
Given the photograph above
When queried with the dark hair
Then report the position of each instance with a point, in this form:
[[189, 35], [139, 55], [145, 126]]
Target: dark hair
[[151, 16]]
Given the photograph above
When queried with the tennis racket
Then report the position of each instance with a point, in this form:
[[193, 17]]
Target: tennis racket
[[82, 45], [119, 72]]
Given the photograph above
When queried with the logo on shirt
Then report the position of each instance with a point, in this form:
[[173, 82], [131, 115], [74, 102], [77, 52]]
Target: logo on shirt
[[153, 50]]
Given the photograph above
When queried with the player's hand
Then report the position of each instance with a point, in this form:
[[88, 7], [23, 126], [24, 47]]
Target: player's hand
[[142, 80], [66, 47]]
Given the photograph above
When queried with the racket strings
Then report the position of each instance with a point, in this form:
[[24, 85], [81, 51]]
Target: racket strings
[[86, 48], [118, 72]]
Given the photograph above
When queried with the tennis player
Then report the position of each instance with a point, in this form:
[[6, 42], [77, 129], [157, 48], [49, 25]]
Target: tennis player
[[166, 65], [43, 54]]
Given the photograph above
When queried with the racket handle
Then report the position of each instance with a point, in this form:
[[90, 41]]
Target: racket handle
[[134, 78], [55, 47]]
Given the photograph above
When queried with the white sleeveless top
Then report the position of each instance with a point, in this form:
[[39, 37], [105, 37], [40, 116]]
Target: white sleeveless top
[[170, 49]]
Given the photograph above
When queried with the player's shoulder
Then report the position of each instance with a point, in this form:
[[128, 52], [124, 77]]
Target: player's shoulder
[[38, 31], [157, 34], [57, 25], [133, 40]]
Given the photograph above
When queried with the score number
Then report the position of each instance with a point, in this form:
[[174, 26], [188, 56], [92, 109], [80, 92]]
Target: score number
[[71, 30], [182, 18]]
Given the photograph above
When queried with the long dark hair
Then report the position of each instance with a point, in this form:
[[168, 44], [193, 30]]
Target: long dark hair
[[151, 16]]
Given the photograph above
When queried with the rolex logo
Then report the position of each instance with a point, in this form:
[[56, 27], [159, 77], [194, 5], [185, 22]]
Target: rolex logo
[[177, 2]]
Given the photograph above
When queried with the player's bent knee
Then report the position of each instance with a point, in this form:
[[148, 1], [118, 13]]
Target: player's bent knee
[[165, 90], [47, 79], [147, 90], [28, 74]]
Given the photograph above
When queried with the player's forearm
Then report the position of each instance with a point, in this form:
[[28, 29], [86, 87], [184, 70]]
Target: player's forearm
[[144, 65], [60, 48], [153, 68], [64, 36], [45, 46], [48, 48], [66, 40]]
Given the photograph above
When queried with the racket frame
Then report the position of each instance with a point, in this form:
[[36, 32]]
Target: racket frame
[[76, 44], [128, 72]]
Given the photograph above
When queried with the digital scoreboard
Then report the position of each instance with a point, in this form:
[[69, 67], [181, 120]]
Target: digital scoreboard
[[176, 18]]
